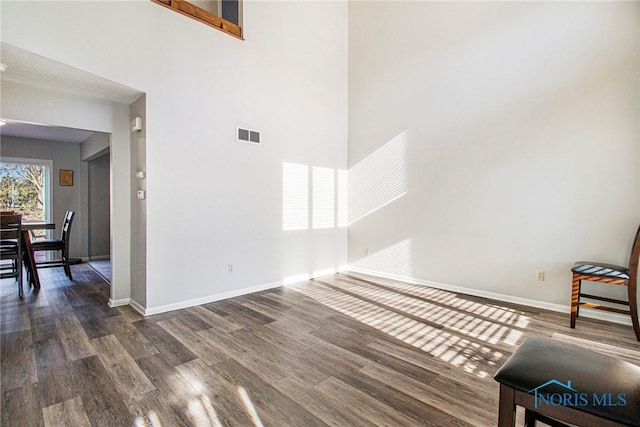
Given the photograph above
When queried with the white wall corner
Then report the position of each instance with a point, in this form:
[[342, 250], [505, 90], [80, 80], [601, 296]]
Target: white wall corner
[[119, 302], [137, 307]]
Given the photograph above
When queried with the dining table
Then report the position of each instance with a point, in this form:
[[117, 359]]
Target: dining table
[[29, 260]]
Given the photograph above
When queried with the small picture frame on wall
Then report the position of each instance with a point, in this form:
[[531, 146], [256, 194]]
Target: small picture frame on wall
[[66, 177]]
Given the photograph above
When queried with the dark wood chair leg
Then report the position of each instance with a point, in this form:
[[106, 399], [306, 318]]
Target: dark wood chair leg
[[632, 293], [67, 270], [575, 296], [529, 418], [507, 407], [19, 271], [67, 267]]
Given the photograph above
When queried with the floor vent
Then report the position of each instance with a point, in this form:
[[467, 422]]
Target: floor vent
[[247, 135]]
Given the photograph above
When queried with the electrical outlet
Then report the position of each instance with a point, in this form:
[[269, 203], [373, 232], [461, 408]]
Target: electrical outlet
[[540, 275], [230, 268]]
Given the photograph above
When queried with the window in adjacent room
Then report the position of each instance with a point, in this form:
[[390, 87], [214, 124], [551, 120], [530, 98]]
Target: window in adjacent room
[[225, 15], [25, 186]]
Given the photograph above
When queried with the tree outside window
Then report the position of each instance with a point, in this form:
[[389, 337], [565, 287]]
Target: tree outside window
[[22, 189]]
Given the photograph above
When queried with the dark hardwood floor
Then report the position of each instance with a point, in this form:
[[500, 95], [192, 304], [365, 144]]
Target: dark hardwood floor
[[342, 350]]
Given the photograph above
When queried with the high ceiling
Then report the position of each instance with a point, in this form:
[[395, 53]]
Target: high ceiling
[[31, 69], [28, 68]]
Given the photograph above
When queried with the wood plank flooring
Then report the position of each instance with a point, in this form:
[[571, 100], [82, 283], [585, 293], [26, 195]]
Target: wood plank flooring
[[342, 350]]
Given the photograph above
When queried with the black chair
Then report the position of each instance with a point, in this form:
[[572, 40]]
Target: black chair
[[564, 385], [607, 274], [59, 245], [11, 248]]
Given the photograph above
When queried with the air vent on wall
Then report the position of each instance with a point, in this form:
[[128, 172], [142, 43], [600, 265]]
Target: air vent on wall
[[247, 135]]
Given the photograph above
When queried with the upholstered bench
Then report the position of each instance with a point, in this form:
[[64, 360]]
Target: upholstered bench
[[559, 383]]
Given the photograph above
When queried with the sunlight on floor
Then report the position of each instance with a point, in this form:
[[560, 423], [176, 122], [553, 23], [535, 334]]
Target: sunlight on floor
[[151, 420], [456, 330], [192, 390], [248, 404], [202, 410]]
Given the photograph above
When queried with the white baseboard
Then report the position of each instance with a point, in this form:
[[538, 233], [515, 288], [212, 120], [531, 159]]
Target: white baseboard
[[209, 298], [137, 306], [127, 301], [119, 302], [593, 314]]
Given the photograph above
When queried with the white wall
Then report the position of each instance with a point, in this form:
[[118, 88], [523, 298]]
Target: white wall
[[95, 151], [139, 207], [99, 218], [288, 79], [509, 132], [500, 129], [96, 146]]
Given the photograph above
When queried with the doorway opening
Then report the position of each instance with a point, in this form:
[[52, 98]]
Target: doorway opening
[[99, 218]]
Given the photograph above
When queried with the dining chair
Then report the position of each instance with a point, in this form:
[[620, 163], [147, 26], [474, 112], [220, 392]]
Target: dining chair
[[57, 245], [607, 274], [11, 248]]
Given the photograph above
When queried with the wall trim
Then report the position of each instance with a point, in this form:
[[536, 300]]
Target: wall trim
[[98, 257], [592, 314], [210, 298], [119, 302], [136, 306]]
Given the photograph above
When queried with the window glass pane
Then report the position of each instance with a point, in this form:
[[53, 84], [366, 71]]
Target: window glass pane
[[22, 188], [230, 11]]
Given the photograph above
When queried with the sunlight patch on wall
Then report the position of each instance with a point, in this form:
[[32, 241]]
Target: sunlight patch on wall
[[379, 179], [313, 196], [394, 259], [342, 186], [295, 196], [323, 202]]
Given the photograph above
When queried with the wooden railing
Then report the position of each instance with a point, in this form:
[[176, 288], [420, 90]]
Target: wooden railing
[[202, 15]]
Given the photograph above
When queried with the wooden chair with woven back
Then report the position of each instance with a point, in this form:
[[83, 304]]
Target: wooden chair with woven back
[[608, 274], [11, 248], [57, 245]]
